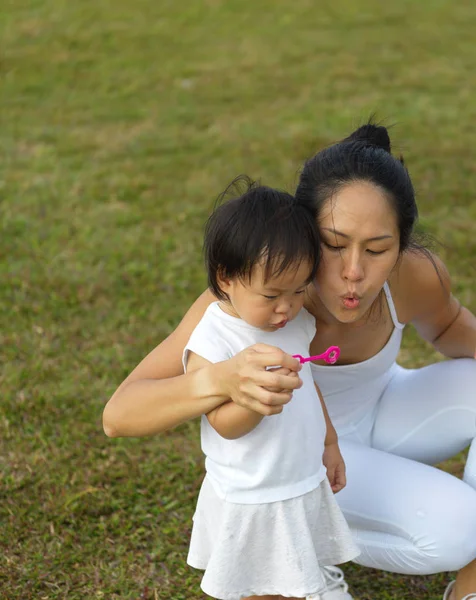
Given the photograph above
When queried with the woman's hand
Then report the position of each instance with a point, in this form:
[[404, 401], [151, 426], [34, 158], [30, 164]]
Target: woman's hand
[[248, 380], [334, 463]]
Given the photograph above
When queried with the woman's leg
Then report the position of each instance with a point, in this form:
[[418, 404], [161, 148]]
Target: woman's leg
[[407, 517], [270, 598], [429, 415]]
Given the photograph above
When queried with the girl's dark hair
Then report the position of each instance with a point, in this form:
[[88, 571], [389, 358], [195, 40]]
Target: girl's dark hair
[[363, 156], [260, 224]]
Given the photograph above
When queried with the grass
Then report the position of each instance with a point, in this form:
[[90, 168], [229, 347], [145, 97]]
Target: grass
[[120, 123]]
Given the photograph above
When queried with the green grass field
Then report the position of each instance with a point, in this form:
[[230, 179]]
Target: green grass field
[[120, 123]]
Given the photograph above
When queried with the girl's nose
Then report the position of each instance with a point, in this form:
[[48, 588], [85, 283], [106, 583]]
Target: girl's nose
[[284, 307]]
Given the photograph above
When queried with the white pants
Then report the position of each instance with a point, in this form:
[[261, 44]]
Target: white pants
[[406, 516]]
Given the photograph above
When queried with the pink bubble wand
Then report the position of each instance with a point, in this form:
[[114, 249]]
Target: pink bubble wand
[[330, 356]]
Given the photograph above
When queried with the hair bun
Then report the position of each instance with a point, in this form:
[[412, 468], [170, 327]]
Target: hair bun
[[373, 135]]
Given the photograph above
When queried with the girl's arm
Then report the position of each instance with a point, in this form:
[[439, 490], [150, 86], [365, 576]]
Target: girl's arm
[[229, 420], [436, 314], [332, 458], [331, 433], [157, 396]]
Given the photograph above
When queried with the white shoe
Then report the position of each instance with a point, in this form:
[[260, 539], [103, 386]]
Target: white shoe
[[336, 586], [449, 589]]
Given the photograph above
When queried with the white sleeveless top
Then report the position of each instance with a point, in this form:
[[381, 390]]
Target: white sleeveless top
[[282, 457], [352, 391]]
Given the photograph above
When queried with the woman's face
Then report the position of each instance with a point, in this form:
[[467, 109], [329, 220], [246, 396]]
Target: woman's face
[[360, 247]]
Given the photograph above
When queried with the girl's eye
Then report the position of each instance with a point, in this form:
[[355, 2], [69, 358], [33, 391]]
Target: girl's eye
[[300, 292], [270, 297], [375, 253]]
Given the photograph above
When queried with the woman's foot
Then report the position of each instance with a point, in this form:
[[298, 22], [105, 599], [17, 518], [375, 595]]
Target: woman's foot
[[450, 593]]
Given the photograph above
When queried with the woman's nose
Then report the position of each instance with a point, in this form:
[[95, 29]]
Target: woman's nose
[[352, 268]]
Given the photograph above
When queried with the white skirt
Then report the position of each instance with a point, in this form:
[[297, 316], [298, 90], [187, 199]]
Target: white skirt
[[274, 548]]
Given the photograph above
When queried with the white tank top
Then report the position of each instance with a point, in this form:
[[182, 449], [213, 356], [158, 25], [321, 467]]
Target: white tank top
[[282, 457], [352, 391]]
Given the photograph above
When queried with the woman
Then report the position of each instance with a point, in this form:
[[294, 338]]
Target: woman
[[406, 516]]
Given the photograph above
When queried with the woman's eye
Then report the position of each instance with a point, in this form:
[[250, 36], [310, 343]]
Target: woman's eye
[[300, 292], [334, 248], [374, 252]]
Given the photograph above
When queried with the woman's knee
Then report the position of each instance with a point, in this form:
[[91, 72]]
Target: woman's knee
[[424, 523]]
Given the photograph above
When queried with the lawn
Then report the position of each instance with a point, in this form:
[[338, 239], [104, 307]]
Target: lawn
[[120, 124]]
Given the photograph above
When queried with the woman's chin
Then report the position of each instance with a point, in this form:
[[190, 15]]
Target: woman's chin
[[349, 315], [348, 318]]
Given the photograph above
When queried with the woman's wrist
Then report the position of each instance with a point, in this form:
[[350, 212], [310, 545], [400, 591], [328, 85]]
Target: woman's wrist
[[208, 385]]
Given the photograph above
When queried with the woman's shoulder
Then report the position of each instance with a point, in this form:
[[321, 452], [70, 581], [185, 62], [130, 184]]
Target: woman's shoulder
[[419, 280]]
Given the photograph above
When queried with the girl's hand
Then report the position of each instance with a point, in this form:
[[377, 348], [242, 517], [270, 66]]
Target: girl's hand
[[281, 371], [246, 380], [333, 461]]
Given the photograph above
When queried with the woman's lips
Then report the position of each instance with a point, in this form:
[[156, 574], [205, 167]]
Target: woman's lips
[[351, 302]]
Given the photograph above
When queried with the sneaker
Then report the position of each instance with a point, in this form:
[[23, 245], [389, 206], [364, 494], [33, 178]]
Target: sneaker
[[336, 586], [449, 589]]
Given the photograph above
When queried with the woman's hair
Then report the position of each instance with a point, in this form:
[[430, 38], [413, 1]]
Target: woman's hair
[[363, 156], [261, 225]]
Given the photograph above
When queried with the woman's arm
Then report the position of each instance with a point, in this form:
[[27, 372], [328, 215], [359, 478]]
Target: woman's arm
[[157, 396], [437, 315]]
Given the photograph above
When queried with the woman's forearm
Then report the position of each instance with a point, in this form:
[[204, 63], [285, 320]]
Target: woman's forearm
[[459, 339], [150, 406]]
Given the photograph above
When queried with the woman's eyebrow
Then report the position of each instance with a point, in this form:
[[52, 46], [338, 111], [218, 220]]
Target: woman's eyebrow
[[373, 239]]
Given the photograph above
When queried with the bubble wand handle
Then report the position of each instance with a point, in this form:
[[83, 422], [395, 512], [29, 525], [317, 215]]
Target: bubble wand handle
[[330, 356]]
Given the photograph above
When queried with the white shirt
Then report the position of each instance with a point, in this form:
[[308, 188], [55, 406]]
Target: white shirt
[[282, 457], [352, 392]]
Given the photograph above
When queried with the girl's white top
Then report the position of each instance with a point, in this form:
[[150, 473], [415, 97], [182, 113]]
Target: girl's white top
[[282, 457]]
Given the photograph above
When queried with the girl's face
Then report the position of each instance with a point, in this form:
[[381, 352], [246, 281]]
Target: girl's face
[[268, 305], [360, 247]]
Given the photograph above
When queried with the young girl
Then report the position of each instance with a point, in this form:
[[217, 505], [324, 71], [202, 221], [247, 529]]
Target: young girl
[[266, 518]]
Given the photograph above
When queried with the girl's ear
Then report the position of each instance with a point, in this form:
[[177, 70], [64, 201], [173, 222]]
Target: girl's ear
[[224, 283]]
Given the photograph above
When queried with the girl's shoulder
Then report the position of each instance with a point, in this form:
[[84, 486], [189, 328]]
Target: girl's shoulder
[[419, 281]]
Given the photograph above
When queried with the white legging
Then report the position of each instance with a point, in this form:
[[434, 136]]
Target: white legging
[[409, 517]]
